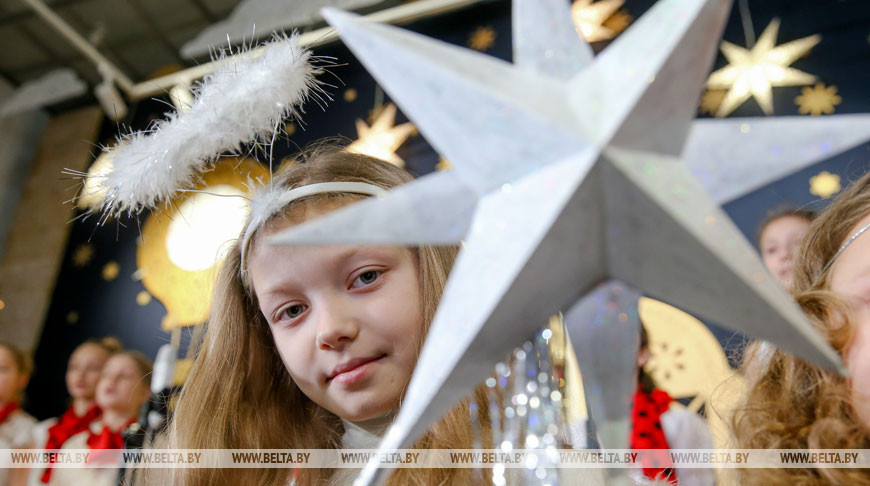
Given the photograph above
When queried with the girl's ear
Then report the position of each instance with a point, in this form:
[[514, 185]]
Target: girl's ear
[[23, 378]]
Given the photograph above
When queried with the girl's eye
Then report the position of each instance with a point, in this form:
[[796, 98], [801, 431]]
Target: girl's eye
[[366, 278], [294, 311]]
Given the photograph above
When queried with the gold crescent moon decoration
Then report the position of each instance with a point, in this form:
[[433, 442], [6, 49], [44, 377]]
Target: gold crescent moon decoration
[[688, 361], [186, 292]]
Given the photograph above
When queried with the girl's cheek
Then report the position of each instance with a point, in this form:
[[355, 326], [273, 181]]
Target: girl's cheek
[[858, 363]]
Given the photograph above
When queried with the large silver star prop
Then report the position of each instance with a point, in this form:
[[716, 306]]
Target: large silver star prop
[[568, 172]]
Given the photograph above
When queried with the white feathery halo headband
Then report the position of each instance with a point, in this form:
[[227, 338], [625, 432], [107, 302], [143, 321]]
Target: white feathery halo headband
[[244, 100], [267, 205]]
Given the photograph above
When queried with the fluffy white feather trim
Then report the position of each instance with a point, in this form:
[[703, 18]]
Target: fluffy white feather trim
[[244, 100]]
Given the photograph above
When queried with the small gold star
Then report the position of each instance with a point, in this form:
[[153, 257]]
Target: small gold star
[[72, 317], [290, 128], [382, 138], [482, 38], [755, 72], [143, 298], [817, 100], [589, 18], [349, 95], [443, 164], [110, 271], [82, 255], [824, 184], [711, 100]]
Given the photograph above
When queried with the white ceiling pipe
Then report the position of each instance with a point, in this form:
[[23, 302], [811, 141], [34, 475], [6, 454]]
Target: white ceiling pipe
[[396, 15], [80, 43]]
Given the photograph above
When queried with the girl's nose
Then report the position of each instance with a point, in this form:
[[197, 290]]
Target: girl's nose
[[337, 328]]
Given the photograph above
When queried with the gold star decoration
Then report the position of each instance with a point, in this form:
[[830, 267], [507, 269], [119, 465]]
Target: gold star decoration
[[82, 255], [818, 100], [72, 317], [824, 184], [289, 128], [755, 72], [443, 164], [383, 137], [110, 271], [618, 21], [712, 100], [143, 298], [589, 19], [482, 38], [349, 95]]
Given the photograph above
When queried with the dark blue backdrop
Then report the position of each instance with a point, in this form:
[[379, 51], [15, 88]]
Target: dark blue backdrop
[[86, 305]]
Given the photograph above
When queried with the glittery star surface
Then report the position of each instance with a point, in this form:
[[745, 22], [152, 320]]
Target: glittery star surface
[[568, 171]]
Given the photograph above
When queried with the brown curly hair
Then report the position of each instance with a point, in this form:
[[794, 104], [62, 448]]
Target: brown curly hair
[[795, 404]]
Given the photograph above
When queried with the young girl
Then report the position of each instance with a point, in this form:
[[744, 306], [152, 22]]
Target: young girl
[[312, 347], [16, 426], [794, 404], [82, 374], [122, 389], [778, 239]]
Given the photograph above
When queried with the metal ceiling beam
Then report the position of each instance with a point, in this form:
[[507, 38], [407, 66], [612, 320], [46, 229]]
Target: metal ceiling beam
[[204, 11], [155, 31], [26, 15], [401, 14], [79, 42]]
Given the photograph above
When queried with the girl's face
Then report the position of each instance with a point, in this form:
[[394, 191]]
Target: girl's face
[[346, 321], [12, 380], [850, 277], [778, 242], [83, 371], [121, 387]]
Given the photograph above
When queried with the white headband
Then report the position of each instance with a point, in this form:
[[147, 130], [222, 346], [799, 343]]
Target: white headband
[[268, 203], [842, 248]]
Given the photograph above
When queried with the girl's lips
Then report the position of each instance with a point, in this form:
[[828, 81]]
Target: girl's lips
[[353, 371]]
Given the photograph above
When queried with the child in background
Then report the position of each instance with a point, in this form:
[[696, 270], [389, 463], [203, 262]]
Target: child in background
[[779, 237], [658, 425], [122, 389], [16, 426], [794, 404], [82, 374]]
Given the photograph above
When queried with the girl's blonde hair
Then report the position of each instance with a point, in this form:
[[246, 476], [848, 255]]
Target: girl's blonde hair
[[239, 394], [795, 404]]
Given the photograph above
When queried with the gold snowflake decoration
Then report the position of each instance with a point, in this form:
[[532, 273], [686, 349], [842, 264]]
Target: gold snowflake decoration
[[110, 271], [711, 100], [82, 255], [818, 100], [755, 72], [824, 184], [482, 38], [143, 298]]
